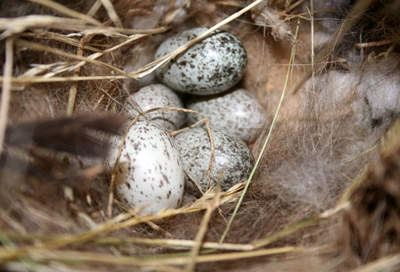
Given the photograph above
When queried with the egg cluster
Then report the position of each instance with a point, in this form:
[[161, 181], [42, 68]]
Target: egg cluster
[[152, 165]]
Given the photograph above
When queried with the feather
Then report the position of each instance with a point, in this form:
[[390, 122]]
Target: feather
[[74, 135], [33, 148]]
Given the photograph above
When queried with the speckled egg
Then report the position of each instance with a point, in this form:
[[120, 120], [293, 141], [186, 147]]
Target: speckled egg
[[150, 173], [153, 96], [211, 66], [232, 158], [238, 113]]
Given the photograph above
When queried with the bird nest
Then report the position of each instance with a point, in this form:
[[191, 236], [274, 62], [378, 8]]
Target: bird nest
[[323, 194]]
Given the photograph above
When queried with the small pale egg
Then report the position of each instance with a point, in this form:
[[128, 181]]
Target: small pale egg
[[233, 159], [149, 173], [211, 66], [238, 113], [158, 95]]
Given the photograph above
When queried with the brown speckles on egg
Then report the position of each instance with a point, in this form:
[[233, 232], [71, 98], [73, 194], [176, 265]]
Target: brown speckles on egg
[[237, 112], [210, 66], [166, 178], [232, 157], [135, 146], [151, 175]]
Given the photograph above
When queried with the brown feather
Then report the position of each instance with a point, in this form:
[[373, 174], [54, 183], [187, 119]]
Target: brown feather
[[33, 148], [75, 135]]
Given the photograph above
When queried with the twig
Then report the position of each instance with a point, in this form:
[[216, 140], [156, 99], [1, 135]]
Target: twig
[[74, 87], [48, 35], [58, 52], [66, 11], [373, 44], [12, 26], [176, 132], [312, 34], [109, 240], [155, 261], [293, 6], [96, 6], [111, 12], [39, 79], [6, 86], [387, 263], [202, 231]]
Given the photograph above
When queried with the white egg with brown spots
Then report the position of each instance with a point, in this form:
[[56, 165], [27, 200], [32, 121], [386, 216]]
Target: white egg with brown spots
[[149, 175], [211, 66], [238, 113], [232, 164], [157, 96]]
